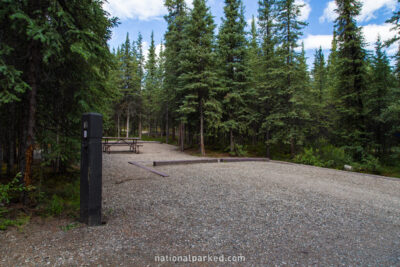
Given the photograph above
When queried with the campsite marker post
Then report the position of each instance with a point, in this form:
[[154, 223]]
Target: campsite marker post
[[91, 169]]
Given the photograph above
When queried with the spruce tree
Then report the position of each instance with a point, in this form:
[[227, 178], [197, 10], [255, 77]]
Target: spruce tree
[[378, 98], [268, 85], [151, 84], [140, 73], [290, 30], [174, 41], [319, 95], [198, 78], [232, 53], [351, 84]]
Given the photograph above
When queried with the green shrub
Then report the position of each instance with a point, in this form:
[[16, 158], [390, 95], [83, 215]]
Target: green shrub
[[10, 190], [56, 206], [334, 157], [238, 150], [309, 157], [369, 164]]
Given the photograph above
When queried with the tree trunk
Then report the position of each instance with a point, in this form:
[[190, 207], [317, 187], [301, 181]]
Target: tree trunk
[[57, 167], [127, 122], [232, 142], [292, 148], [140, 126], [166, 127], [202, 149], [34, 63], [118, 126], [1, 161], [268, 146], [182, 136]]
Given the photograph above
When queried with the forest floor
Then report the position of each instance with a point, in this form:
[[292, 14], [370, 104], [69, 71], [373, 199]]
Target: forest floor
[[271, 213]]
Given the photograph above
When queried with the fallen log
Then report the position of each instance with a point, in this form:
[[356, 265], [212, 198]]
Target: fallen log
[[184, 162], [148, 169], [243, 159]]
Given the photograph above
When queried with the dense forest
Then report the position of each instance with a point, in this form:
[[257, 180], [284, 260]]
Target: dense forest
[[251, 92], [231, 89]]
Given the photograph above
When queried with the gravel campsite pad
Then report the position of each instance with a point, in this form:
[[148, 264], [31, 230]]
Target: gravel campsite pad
[[269, 212]]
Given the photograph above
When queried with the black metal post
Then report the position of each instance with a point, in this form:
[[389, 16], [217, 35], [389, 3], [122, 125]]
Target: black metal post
[[91, 169]]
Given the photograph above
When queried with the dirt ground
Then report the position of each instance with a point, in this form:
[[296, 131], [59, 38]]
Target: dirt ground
[[258, 213]]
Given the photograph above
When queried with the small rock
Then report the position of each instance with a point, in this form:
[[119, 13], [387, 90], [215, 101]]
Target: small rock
[[348, 167]]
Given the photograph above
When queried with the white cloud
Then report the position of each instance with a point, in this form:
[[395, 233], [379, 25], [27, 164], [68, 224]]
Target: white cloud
[[329, 12], [372, 31], [312, 42], [369, 7], [305, 10], [137, 9]]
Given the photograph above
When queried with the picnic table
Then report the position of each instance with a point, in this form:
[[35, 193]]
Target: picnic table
[[132, 142]]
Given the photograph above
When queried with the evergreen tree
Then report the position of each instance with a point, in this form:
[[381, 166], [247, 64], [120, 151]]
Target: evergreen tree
[[198, 78], [140, 73], [269, 85], [378, 98], [319, 95], [289, 118], [319, 75], [59, 49], [254, 79], [174, 41], [395, 20], [232, 53], [351, 85], [151, 89]]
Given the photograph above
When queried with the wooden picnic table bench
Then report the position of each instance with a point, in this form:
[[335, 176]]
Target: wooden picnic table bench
[[108, 142]]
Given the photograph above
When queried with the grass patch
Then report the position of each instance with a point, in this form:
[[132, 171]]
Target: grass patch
[[12, 217], [51, 196], [59, 196]]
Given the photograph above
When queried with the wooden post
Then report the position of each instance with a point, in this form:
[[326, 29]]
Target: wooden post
[[91, 169]]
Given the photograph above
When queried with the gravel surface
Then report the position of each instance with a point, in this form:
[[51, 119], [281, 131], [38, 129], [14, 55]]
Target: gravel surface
[[271, 213]]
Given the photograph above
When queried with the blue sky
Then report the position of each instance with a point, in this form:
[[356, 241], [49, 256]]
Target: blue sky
[[147, 15]]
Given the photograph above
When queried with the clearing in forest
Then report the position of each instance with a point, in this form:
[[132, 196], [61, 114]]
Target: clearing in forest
[[270, 213]]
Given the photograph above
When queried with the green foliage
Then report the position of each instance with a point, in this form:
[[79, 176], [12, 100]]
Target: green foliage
[[56, 206], [70, 226], [369, 164], [351, 76], [58, 48], [20, 221], [309, 157], [238, 150], [65, 199], [10, 190], [325, 155]]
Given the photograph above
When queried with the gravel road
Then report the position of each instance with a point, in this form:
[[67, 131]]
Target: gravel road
[[271, 213]]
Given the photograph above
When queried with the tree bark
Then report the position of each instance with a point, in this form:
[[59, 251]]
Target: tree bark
[[1, 160], [140, 126], [182, 136], [268, 146], [118, 126], [34, 63], [232, 142], [292, 148], [10, 151], [166, 127], [202, 149], [127, 122]]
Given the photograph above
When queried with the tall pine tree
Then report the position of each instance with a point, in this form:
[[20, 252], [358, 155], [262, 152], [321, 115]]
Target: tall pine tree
[[351, 74], [198, 78], [232, 53]]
